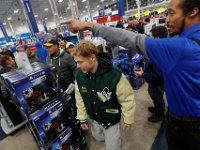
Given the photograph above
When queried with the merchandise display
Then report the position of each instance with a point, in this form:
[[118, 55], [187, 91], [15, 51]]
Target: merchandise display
[[32, 90], [56, 125], [48, 109], [128, 63]]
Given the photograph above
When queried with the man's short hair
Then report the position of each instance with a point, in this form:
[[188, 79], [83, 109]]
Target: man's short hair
[[159, 31], [4, 59], [85, 48], [188, 5]]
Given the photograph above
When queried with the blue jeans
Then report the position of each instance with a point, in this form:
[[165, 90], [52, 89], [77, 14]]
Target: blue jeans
[[156, 93]]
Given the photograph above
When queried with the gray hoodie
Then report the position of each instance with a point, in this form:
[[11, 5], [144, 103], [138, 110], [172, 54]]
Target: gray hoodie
[[124, 38], [66, 68]]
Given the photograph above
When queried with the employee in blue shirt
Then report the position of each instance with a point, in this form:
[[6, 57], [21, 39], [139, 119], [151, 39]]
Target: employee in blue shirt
[[178, 59]]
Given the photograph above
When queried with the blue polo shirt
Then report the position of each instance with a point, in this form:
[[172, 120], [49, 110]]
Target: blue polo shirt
[[179, 60]]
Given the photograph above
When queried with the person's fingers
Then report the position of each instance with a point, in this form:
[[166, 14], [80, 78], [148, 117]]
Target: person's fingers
[[126, 127], [66, 22], [84, 126]]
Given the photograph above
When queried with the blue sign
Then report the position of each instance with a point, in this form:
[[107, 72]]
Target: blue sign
[[23, 36], [4, 32], [120, 6], [45, 26], [30, 17]]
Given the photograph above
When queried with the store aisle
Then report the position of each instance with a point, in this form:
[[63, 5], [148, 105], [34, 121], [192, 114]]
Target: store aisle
[[140, 137]]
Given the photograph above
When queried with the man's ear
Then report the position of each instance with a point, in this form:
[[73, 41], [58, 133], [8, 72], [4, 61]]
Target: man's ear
[[93, 57], [193, 12]]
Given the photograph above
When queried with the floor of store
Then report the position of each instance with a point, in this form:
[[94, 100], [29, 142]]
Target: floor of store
[[140, 137]]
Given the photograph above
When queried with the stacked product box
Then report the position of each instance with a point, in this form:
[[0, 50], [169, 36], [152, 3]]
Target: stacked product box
[[128, 65], [46, 106], [33, 90], [56, 125]]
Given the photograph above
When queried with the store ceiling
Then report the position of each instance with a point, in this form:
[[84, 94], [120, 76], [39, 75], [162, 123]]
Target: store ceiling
[[8, 6]]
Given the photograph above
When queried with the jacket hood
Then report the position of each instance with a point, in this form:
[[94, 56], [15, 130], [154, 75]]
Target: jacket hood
[[38, 44], [104, 63], [58, 56]]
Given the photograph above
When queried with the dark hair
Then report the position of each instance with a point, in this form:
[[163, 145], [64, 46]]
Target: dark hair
[[188, 5], [59, 37], [159, 31], [4, 58]]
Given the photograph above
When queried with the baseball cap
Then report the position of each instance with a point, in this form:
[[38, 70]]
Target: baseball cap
[[51, 43], [68, 44]]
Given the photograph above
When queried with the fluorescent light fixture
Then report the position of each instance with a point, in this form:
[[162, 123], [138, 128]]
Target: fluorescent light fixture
[[35, 16], [102, 0], [60, 1], [4, 23], [46, 9], [97, 6], [68, 8], [84, 0], [86, 6], [9, 18], [16, 11]]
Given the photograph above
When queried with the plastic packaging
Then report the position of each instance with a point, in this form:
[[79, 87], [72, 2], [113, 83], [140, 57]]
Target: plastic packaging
[[22, 62]]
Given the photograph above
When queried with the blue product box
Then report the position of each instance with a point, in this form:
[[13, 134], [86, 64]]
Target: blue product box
[[116, 63], [125, 54], [57, 126], [33, 90], [136, 82], [71, 139], [53, 119], [127, 67], [137, 58]]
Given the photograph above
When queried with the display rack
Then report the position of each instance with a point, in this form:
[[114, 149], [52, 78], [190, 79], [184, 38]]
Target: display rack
[[47, 108]]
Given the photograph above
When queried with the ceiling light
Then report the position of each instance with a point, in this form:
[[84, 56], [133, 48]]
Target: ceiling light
[[55, 14], [97, 6], [59, 1], [81, 14], [68, 8], [86, 6], [9, 18], [84, 11], [4, 23], [93, 10], [16, 11], [46, 9], [45, 18], [35, 16], [84, 0], [102, 0]]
